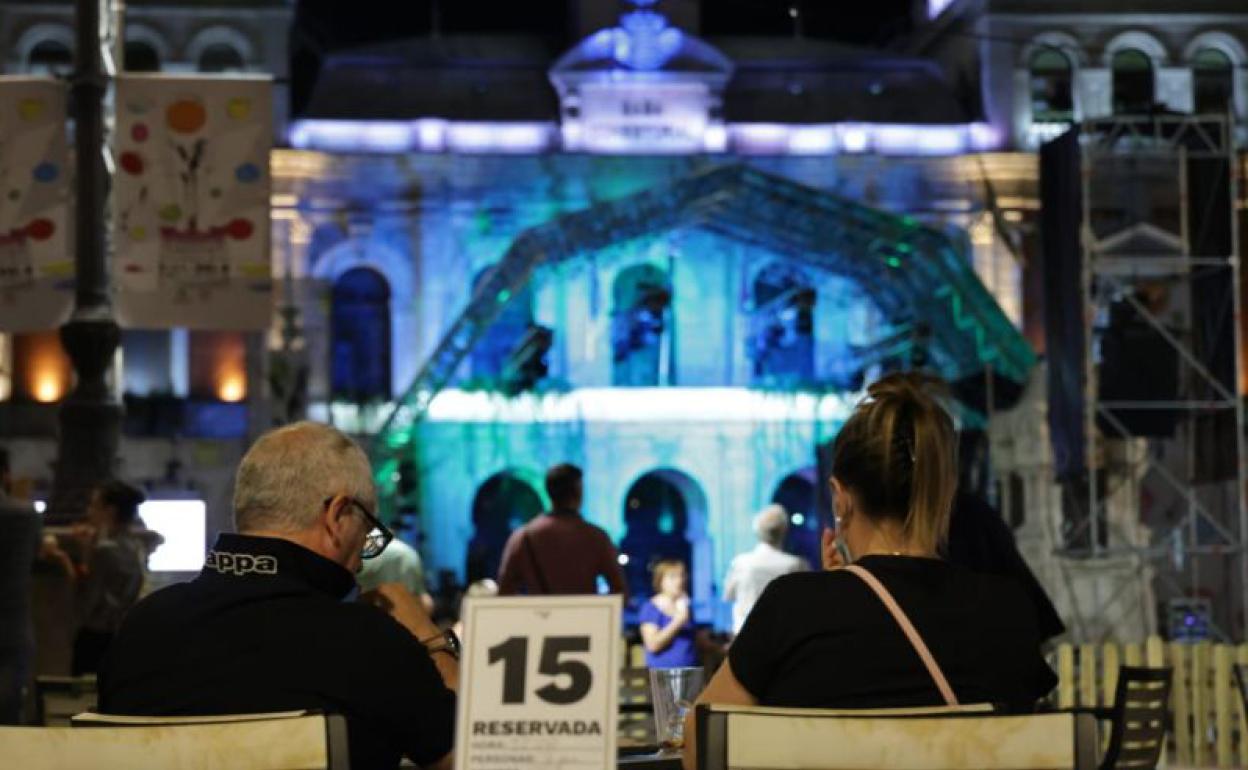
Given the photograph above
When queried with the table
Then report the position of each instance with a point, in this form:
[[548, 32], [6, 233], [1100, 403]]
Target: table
[[659, 760]]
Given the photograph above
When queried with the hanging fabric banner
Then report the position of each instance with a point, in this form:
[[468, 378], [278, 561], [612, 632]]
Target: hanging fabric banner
[[191, 202], [36, 231]]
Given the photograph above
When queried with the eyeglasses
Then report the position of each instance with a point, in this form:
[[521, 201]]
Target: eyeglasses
[[378, 537]]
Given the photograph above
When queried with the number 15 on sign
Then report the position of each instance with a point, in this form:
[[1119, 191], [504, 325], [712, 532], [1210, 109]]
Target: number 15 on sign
[[539, 683]]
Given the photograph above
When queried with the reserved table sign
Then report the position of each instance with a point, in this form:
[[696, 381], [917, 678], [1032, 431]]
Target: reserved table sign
[[539, 683]]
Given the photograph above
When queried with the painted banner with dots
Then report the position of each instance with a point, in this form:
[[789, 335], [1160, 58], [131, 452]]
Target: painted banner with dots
[[191, 205], [36, 233]]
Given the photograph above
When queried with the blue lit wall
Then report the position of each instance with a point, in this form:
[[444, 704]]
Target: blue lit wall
[[430, 224], [726, 472]]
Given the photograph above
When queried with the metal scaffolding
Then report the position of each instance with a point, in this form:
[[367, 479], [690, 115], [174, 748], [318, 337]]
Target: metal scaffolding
[[1129, 167]]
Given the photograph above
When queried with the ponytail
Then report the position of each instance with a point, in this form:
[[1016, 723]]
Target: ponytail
[[897, 452]]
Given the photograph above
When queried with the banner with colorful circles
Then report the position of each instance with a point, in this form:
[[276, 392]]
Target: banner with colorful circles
[[36, 232], [191, 202]]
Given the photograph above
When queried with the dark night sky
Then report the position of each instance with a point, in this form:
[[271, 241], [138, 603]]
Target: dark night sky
[[324, 26], [363, 21]]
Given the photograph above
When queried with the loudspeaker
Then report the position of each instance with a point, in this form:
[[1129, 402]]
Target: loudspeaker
[[1213, 315], [1137, 364], [1061, 210]]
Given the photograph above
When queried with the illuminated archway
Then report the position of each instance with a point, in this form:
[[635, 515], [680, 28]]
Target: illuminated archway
[[503, 502], [360, 336], [640, 297], [665, 515]]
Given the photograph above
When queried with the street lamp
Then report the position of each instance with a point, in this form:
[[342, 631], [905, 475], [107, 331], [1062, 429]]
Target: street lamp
[[90, 417]]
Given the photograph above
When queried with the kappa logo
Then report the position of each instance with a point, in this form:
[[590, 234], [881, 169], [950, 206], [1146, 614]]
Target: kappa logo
[[241, 563]]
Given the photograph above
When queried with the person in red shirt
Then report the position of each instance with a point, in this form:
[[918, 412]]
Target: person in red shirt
[[559, 552]]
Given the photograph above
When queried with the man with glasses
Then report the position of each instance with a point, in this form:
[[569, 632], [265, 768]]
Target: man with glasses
[[269, 624]]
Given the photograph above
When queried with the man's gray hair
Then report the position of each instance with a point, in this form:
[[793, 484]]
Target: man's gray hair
[[286, 476], [772, 524]]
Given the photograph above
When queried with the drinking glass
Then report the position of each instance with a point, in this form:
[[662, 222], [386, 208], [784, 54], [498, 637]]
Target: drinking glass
[[673, 691]]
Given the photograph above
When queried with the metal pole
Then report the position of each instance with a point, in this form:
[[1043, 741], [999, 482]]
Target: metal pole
[[1241, 487], [90, 418], [1188, 428], [1090, 394]]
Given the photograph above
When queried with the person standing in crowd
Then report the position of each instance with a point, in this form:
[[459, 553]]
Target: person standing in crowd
[[752, 571], [399, 563], [559, 552], [981, 541], [265, 626], [667, 630], [109, 565], [835, 638], [19, 541]]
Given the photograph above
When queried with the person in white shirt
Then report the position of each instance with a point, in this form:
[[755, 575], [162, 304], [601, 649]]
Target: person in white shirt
[[751, 571]]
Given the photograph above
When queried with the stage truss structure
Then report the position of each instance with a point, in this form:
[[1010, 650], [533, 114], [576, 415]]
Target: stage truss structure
[[915, 274], [1214, 522]]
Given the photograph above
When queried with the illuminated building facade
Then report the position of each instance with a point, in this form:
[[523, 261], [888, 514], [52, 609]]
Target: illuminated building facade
[[413, 164]]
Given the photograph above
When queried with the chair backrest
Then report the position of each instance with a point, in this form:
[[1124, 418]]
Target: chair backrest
[[636, 708], [1137, 735], [811, 739], [288, 741], [1241, 676]]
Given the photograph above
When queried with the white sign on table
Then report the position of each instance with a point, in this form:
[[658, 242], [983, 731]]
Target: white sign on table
[[539, 683]]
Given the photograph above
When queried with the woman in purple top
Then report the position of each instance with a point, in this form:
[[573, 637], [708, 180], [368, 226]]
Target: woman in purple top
[[666, 626]]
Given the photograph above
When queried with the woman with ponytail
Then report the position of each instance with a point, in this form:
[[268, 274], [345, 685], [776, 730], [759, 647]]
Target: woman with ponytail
[[887, 623]]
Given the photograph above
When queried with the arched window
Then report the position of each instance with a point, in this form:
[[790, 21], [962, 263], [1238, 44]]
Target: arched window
[[1051, 99], [140, 56], [220, 57], [656, 515], [503, 503], [640, 298], [1133, 81], [50, 57], [782, 327], [1213, 81], [360, 336]]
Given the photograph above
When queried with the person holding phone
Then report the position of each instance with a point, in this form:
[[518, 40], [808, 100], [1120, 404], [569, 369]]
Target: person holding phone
[[897, 626]]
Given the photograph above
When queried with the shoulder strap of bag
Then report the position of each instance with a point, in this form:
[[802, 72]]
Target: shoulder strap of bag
[[909, 630], [537, 565]]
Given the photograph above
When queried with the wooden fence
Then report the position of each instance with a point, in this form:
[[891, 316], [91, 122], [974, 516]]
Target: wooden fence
[[1208, 727]]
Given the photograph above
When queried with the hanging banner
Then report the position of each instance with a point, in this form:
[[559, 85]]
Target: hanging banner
[[191, 202], [36, 230]]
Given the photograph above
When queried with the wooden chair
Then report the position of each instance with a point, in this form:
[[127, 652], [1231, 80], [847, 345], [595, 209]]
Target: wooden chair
[[287, 741], [636, 720], [812, 739], [1137, 719], [58, 698]]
